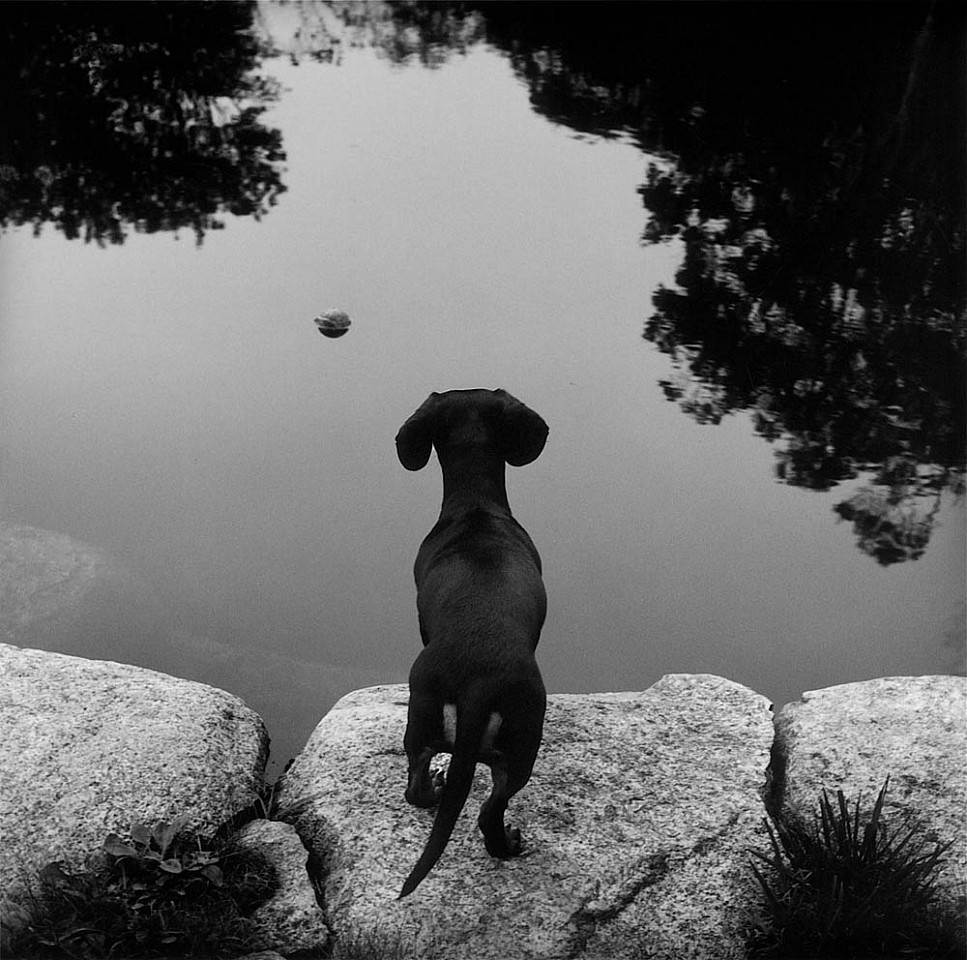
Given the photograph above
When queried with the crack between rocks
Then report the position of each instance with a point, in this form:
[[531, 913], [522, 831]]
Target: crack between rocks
[[593, 913], [774, 788], [703, 844]]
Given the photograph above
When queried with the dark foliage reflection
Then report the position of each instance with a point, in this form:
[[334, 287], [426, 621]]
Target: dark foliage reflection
[[143, 114], [822, 286], [810, 161]]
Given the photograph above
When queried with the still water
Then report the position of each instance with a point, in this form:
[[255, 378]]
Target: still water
[[172, 403]]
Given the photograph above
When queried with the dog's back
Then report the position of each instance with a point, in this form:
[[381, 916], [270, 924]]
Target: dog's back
[[481, 565]]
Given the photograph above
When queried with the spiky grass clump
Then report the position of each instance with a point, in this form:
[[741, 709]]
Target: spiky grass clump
[[842, 887]]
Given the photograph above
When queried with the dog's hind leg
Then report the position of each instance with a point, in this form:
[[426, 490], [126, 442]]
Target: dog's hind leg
[[424, 731], [500, 840]]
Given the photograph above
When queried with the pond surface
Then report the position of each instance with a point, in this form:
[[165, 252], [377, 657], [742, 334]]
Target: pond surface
[[169, 399]]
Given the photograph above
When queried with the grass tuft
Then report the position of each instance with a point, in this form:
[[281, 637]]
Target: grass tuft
[[847, 886]]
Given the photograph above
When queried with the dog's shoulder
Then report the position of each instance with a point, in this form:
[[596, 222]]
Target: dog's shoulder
[[479, 535]]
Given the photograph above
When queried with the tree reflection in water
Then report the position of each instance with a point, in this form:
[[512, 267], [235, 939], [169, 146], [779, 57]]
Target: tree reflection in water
[[810, 161], [134, 114]]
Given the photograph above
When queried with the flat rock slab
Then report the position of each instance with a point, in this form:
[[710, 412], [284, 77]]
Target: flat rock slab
[[850, 737], [636, 825], [88, 746]]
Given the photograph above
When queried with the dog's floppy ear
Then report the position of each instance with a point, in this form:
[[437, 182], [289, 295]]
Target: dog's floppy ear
[[415, 439], [523, 432]]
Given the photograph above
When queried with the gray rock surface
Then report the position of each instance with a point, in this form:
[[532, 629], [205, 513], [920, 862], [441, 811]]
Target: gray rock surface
[[88, 746], [635, 826], [292, 920], [850, 737]]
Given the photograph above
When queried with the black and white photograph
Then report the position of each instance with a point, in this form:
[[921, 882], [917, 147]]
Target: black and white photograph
[[483, 480]]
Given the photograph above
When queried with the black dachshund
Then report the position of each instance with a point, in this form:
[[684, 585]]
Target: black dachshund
[[475, 689]]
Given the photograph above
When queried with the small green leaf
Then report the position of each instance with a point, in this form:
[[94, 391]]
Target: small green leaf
[[163, 834], [116, 848], [54, 873], [140, 834], [76, 932], [171, 865], [203, 857], [180, 822], [213, 873]]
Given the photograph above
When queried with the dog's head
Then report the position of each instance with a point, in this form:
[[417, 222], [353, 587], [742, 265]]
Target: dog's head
[[481, 418]]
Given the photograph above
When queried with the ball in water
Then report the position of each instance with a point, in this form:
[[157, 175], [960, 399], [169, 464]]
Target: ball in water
[[333, 323]]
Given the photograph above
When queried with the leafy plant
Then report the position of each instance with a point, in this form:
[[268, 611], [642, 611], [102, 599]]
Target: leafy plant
[[847, 886], [158, 866], [161, 891]]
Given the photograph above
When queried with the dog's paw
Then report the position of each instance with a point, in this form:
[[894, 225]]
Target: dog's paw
[[426, 795], [505, 845]]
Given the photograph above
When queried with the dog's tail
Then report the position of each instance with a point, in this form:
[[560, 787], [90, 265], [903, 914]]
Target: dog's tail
[[473, 716]]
